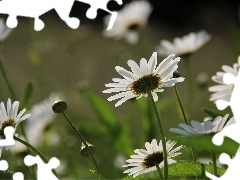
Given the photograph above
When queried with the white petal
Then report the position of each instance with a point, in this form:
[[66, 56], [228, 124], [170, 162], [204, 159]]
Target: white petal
[[124, 99], [180, 131], [148, 147], [110, 90], [15, 110], [143, 66], [135, 68], [120, 95], [188, 129], [155, 145], [164, 63], [126, 74], [9, 104], [208, 126], [155, 96], [198, 126], [116, 85], [152, 63], [23, 118]]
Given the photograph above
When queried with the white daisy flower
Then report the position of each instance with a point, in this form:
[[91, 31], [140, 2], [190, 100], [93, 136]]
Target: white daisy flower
[[41, 116], [143, 78], [145, 160], [185, 45], [224, 91], [4, 30], [133, 16], [10, 116], [208, 127]]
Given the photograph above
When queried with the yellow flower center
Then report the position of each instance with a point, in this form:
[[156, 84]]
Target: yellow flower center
[[146, 83], [152, 159]]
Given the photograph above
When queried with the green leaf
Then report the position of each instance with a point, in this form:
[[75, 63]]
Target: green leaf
[[124, 142], [182, 168], [27, 94], [205, 143], [212, 113], [104, 111]]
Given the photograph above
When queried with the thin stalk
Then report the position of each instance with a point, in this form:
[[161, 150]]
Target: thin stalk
[[159, 171], [93, 160], [35, 150], [214, 163], [189, 84], [180, 103], [185, 119], [12, 93], [162, 134]]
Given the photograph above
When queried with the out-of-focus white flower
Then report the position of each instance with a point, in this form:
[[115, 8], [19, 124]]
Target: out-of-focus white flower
[[133, 16], [145, 160], [54, 139], [42, 116], [4, 30], [119, 161], [146, 77], [224, 91], [207, 127], [185, 45], [10, 117]]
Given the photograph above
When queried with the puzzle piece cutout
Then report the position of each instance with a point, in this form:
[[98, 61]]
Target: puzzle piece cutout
[[233, 168], [18, 176], [101, 4], [36, 8], [4, 167], [44, 171], [8, 141], [231, 131]]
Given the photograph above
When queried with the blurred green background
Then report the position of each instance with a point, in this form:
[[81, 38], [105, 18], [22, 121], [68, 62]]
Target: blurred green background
[[58, 59]]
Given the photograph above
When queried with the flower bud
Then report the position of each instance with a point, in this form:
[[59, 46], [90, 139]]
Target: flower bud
[[176, 74], [84, 150], [59, 106]]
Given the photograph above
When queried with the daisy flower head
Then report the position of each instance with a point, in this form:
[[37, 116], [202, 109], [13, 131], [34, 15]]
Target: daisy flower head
[[147, 77], [4, 30], [185, 45], [130, 19], [207, 127], [10, 116], [224, 91], [145, 161]]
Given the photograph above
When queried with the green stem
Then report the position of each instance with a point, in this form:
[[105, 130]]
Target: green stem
[[214, 163], [162, 134], [180, 103], [35, 150], [84, 142], [159, 171], [189, 85], [12, 93], [185, 119]]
